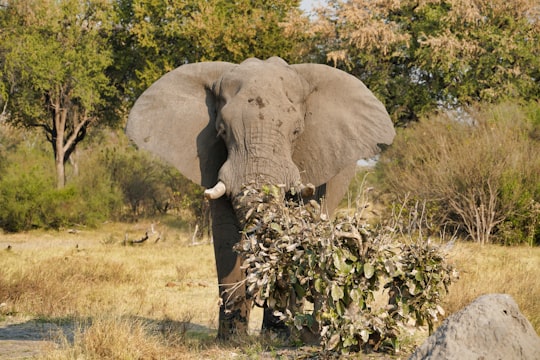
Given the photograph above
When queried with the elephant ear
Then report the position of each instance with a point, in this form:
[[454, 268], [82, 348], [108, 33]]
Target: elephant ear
[[344, 122], [175, 120]]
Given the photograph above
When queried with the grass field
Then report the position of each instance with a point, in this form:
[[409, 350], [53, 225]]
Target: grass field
[[159, 299]]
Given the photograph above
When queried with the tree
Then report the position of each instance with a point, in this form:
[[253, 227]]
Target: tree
[[418, 56], [156, 36], [53, 57]]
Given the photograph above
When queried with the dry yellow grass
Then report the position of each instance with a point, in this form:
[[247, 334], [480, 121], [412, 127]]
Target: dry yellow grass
[[154, 300], [159, 300], [497, 269]]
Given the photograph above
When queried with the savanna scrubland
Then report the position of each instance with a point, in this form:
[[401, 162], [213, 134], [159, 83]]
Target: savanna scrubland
[[160, 300], [460, 83]]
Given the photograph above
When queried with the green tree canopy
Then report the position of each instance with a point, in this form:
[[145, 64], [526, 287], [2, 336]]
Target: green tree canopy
[[418, 55], [156, 36], [53, 57]]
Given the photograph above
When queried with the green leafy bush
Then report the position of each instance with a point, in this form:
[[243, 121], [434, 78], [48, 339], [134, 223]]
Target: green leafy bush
[[363, 283], [30, 199], [479, 176]]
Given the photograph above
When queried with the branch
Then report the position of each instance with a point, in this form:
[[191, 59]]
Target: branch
[[45, 127], [141, 240], [78, 134], [152, 231], [75, 135]]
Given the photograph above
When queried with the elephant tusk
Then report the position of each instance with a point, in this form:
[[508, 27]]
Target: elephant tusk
[[307, 190], [216, 192]]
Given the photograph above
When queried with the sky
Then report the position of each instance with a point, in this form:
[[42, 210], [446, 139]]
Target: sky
[[307, 5]]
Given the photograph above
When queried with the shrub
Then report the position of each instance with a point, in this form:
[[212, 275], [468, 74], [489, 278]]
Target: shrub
[[480, 176], [30, 199], [151, 187], [294, 252], [107, 183]]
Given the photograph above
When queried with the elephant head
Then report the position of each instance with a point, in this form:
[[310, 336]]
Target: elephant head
[[224, 125]]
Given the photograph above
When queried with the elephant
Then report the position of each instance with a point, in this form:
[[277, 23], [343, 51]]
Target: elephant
[[224, 125]]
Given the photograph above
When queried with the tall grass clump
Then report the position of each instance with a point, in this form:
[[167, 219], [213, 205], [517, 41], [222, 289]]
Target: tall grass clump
[[59, 286], [114, 338], [479, 177]]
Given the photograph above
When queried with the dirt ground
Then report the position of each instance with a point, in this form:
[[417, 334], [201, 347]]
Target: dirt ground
[[26, 338]]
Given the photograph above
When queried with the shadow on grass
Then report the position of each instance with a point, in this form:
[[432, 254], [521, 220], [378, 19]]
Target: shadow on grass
[[27, 337]]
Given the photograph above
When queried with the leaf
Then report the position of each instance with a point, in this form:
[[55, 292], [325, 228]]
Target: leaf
[[340, 263], [277, 228], [349, 255], [299, 290], [369, 270], [333, 342], [364, 335], [440, 310], [404, 309], [340, 308], [419, 277], [357, 297], [249, 213], [337, 292], [318, 285], [349, 340]]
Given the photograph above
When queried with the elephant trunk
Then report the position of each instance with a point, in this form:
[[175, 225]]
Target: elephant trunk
[[242, 169], [246, 169]]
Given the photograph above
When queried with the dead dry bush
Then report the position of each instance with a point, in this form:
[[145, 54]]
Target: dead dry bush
[[478, 176]]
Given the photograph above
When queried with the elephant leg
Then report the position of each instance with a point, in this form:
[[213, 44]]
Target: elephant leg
[[234, 307], [273, 324]]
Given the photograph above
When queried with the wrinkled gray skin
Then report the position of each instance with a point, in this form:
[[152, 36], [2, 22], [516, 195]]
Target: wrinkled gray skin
[[261, 121]]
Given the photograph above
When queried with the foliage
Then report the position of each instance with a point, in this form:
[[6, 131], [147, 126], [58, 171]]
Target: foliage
[[480, 175], [113, 177], [156, 36], [53, 56], [31, 200], [151, 187], [419, 55], [364, 284]]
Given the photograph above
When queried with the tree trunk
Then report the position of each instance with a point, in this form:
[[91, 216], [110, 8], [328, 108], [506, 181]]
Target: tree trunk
[[59, 155], [64, 138], [59, 128], [60, 170]]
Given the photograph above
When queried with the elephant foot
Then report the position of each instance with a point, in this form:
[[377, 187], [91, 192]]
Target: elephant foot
[[273, 326], [310, 336], [231, 324]]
